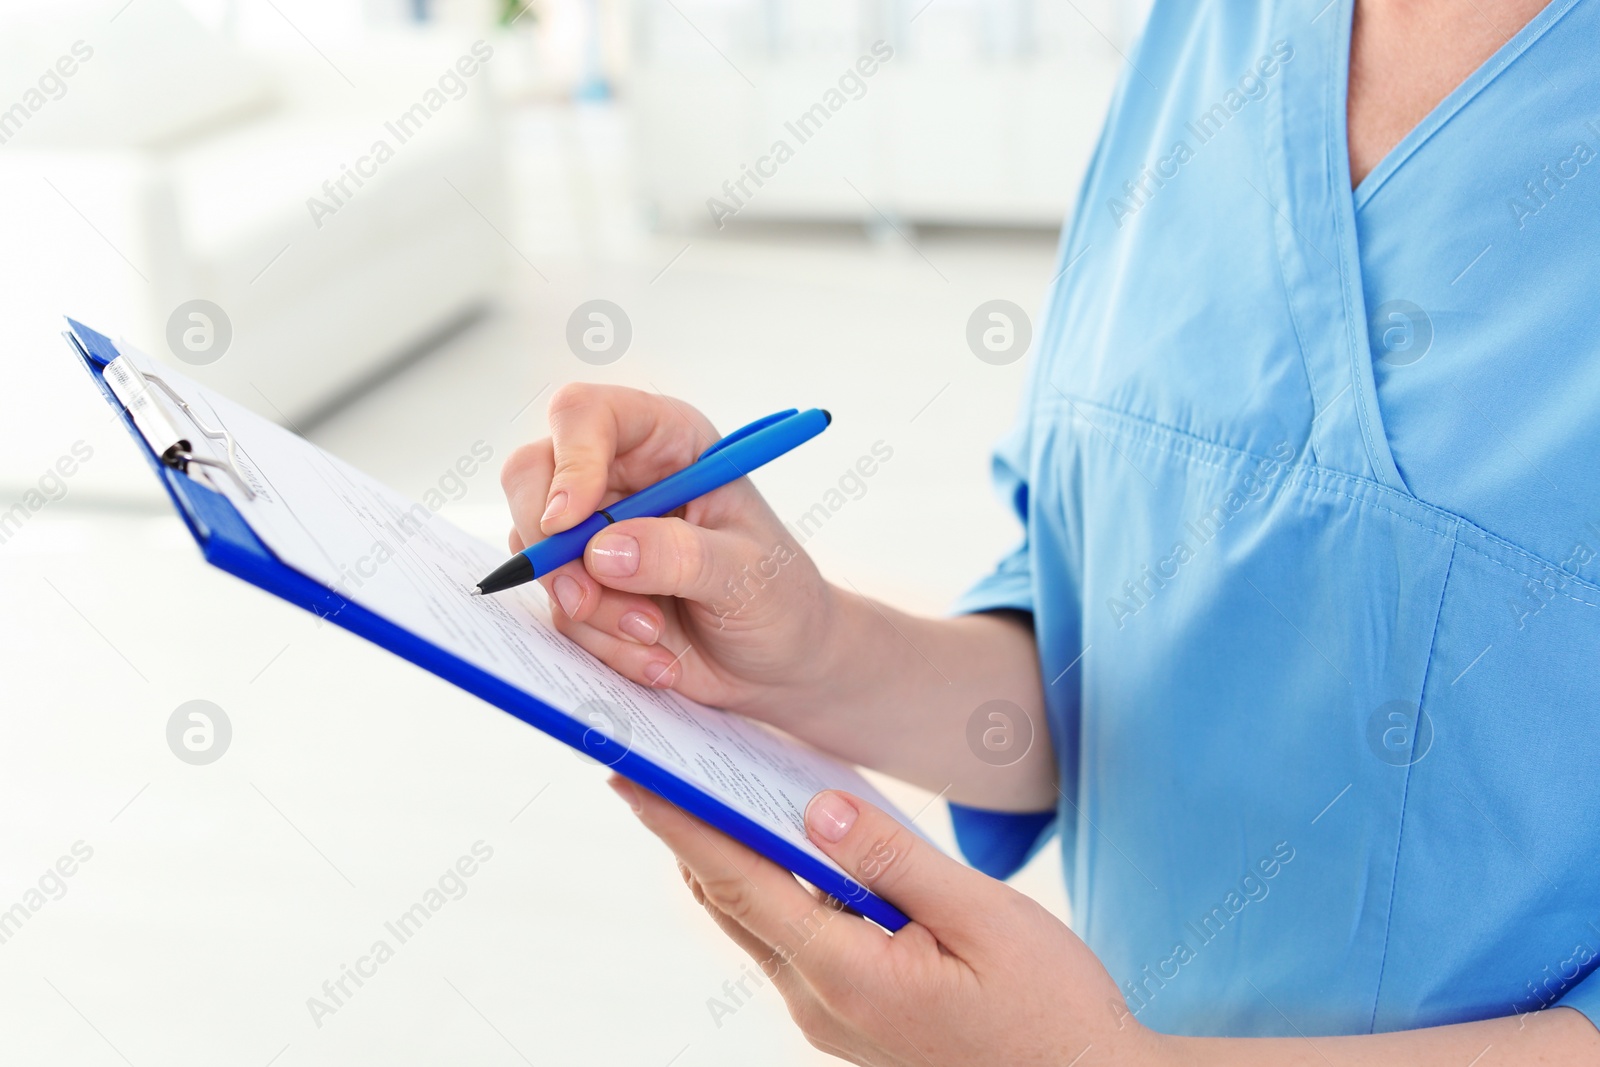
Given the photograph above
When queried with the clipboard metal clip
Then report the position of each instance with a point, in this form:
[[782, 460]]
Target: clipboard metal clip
[[186, 456], [131, 386]]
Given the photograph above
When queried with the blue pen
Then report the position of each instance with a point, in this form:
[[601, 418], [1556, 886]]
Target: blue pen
[[730, 459]]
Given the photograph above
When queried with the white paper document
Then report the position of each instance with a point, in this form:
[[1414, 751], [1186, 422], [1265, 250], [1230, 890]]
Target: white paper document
[[397, 559]]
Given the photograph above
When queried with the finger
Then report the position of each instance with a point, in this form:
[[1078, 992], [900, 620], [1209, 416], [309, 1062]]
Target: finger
[[797, 993], [819, 1024], [525, 477], [515, 541], [655, 665], [761, 896], [825, 898], [633, 618], [672, 557], [896, 863], [582, 599], [605, 436], [753, 946]]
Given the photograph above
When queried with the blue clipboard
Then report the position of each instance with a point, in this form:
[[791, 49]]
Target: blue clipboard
[[227, 542]]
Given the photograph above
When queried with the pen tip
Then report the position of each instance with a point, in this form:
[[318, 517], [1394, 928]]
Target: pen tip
[[476, 591], [827, 417]]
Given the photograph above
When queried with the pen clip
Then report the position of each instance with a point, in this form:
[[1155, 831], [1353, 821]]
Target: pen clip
[[745, 431]]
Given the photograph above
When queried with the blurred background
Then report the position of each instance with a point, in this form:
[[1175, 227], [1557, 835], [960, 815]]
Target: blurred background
[[386, 223]]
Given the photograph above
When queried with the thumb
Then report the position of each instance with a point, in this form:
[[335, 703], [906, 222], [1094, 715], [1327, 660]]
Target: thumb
[[673, 557], [899, 865]]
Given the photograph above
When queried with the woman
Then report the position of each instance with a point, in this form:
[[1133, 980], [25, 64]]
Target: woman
[[1304, 625]]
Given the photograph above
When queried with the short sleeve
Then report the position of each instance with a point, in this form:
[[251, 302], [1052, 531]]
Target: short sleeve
[[1008, 587], [1585, 997], [1000, 843], [1010, 584]]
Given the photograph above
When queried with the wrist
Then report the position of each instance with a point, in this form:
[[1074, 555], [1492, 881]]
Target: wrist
[[1162, 1050], [827, 668], [823, 678], [845, 647], [1135, 1044]]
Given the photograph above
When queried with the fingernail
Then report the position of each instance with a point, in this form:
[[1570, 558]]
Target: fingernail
[[830, 816], [660, 675], [557, 506], [638, 625], [569, 594], [614, 556], [624, 789]]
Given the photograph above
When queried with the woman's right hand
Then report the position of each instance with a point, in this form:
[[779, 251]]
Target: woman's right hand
[[719, 603], [716, 601]]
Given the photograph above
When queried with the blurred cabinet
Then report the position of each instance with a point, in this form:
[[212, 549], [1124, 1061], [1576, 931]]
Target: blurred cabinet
[[986, 114]]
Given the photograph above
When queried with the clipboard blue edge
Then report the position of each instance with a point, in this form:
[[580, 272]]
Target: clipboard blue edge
[[227, 542]]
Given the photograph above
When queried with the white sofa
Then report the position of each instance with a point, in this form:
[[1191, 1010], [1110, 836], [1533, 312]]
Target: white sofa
[[177, 166]]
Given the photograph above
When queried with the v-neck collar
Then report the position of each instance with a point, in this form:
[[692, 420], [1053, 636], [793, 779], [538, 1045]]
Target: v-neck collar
[[1442, 112], [1307, 142]]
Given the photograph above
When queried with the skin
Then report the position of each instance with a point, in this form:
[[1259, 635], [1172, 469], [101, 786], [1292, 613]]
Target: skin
[[1407, 55], [982, 973], [672, 621]]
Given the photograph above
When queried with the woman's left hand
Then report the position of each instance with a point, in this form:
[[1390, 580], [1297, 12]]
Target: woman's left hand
[[982, 973]]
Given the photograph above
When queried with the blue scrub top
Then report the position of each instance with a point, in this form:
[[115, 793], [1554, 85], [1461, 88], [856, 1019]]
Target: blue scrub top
[[1310, 481]]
